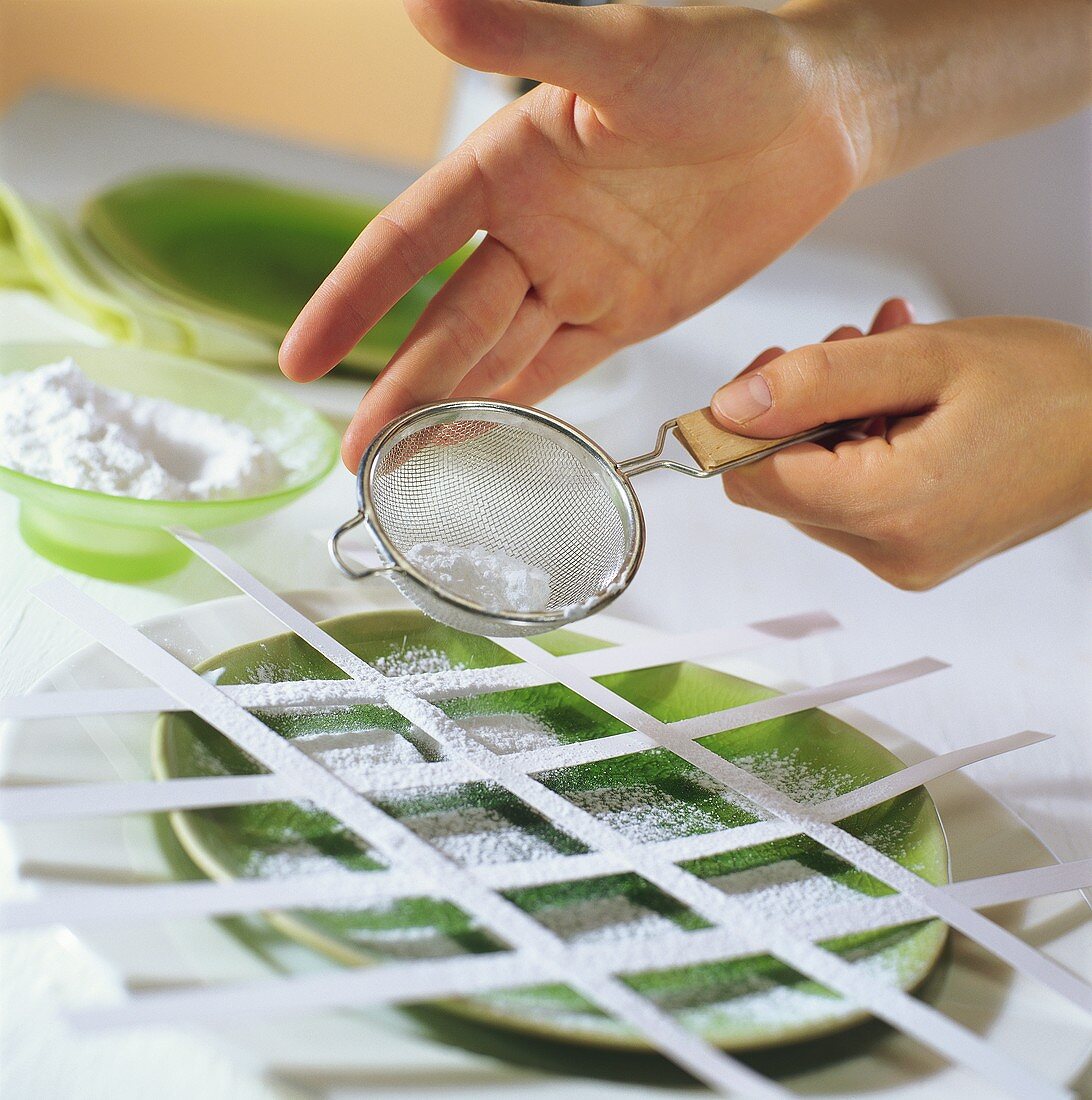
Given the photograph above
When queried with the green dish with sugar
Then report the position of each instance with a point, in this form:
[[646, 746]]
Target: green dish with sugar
[[743, 1004], [124, 538]]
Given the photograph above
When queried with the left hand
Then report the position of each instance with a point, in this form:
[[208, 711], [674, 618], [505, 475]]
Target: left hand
[[981, 442]]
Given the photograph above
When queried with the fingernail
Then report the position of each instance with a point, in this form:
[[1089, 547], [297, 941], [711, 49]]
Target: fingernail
[[843, 332], [742, 400]]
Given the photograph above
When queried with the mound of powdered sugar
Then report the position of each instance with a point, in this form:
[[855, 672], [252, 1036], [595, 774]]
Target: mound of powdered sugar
[[58, 425], [493, 578]]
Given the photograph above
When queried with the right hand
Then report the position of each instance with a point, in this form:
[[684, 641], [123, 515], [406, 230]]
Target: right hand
[[977, 439], [668, 156]]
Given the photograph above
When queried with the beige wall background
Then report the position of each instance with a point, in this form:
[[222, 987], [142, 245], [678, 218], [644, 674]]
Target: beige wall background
[[350, 75]]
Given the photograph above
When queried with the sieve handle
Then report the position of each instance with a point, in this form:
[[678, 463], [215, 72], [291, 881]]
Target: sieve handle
[[716, 449]]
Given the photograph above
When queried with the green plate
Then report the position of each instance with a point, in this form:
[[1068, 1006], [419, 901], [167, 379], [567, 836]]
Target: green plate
[[743, 1004], [245, 250]]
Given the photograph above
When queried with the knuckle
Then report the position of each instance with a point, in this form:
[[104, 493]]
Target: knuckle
[[409, 253], [537, 378], [470, 158], [916, 582], [405, 389], [468, 335], [801, 377], [859, 491], [910, 578], [345, 298], [645, 29], [636, 32], [908, 571], [490, 373], [893, 528], [735, 489], [933, 348]]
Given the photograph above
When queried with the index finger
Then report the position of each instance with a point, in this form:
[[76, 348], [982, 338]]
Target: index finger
[[422, 227]]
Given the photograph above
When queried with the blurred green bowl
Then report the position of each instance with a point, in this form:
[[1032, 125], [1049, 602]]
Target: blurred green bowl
[[246, 251], [122, 538]]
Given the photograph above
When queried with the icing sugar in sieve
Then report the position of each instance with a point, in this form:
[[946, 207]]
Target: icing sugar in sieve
[[502, 520]]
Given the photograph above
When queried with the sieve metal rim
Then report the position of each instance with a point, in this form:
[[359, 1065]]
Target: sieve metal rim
[[460, 410]]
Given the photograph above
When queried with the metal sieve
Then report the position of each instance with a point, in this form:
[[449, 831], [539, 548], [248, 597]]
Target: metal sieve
[[484, 473]]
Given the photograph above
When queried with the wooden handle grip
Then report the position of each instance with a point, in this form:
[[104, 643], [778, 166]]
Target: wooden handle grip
[[712, 445]]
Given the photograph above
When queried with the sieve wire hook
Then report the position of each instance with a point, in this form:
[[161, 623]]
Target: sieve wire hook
[[342, 564], [652, 460]]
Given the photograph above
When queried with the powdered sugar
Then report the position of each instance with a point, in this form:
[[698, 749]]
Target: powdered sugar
[[605, 920], [300, 858], [802, 780], [496, 580], [644, 813], [507, 733], [275, 696], [476, 836], [351, 753], [417, 668], [785, 891], [479, 824], [58, 425], [416, 660]]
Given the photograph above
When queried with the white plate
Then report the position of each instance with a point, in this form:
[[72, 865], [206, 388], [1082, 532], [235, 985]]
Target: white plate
[[388, 1053]]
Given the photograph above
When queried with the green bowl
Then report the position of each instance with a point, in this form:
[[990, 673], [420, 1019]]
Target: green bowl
[[122, 538]]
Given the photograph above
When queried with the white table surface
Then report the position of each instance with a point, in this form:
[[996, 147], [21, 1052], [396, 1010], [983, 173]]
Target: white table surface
[[1017, 629]]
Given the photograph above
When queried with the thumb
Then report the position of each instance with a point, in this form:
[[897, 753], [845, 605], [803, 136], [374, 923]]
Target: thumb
[[592, 51], [895, 373]]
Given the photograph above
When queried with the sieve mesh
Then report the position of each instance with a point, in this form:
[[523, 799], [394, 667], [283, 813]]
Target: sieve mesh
[[507, 480]]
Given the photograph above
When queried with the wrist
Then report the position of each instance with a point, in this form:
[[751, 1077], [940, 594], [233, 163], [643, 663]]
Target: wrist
[[844, 43]]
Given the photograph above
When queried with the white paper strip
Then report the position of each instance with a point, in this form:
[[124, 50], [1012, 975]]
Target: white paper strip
[[948, 1038], [83, 905], [434, 979], [407, 984], [400, 983], [795, 701], [991, 936], [74, 704], [429, 979], [915, 1018], [37, 802], [670, 735], [357, 988], [1058, 878], [918, 775], [455, 684], [87, 905], [1003, 943], [398, 842], [45, 802]]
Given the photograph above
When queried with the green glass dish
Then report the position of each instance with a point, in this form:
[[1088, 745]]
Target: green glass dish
[[722, 1001], [122, 538], [245, 251]]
